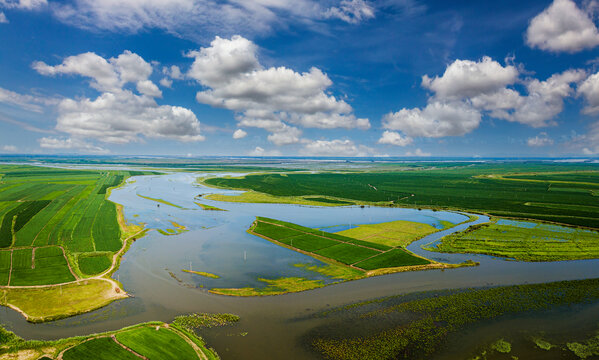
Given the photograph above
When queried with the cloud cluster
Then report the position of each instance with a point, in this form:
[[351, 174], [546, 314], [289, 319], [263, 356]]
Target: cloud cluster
[[468, 90], [589, 89], [119, 114], [277, 99], [540, 140], [467, 79], [437, 119], [394, 138], [562, 27], [337, 147], [201, 19]]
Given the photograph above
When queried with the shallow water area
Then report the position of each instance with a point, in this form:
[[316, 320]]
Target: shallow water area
[[217, 242]]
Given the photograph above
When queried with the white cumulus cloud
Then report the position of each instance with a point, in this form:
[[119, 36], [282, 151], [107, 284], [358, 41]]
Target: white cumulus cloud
[[437, 119], [545, 99], [589, 89], [239, 134], [394, 138], [3, 19], [466, 78], [269, 98], [467, 90], [118, 114], [563, 26]]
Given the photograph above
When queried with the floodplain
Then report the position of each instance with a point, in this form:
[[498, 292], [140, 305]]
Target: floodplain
[[312, 252]]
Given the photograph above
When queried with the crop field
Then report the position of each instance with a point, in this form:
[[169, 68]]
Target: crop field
[[94, 264], [353, 252], [45, 211], [45, 266], [525, 241], [415, 326], [550, 192], [160, 344], [394, 233], [99, 348]]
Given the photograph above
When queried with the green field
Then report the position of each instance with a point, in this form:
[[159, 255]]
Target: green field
[[99, 348], [45, 211], [39, 266], [525, 241], [394, 233], [566, 191], [94, 264], [357, 253], [161, 344]]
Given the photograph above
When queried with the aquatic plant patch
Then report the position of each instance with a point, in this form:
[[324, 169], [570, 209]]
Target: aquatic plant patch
[[415, 326]]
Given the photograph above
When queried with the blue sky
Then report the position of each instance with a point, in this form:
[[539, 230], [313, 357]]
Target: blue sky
[[299, 77]]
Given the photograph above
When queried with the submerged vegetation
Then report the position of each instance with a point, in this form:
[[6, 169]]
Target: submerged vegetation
[[415, 326], [525, 241], [202, 273], [209, 207], [160, 201]]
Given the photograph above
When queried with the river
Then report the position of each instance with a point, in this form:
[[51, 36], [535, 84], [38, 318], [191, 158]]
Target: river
[[271, 327]]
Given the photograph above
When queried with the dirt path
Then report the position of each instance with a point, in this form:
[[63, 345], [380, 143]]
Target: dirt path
[[113, 336], [197, 349]]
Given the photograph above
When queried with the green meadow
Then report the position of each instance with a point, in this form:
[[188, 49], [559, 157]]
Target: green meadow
[[526, 241]]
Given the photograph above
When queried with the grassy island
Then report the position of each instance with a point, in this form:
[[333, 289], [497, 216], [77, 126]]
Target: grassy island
[[345, 258]]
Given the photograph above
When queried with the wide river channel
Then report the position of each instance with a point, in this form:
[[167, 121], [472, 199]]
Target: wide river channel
[[271, 327]]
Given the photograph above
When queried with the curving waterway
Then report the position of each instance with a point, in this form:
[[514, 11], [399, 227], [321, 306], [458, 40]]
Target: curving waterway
[[216, 242]]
